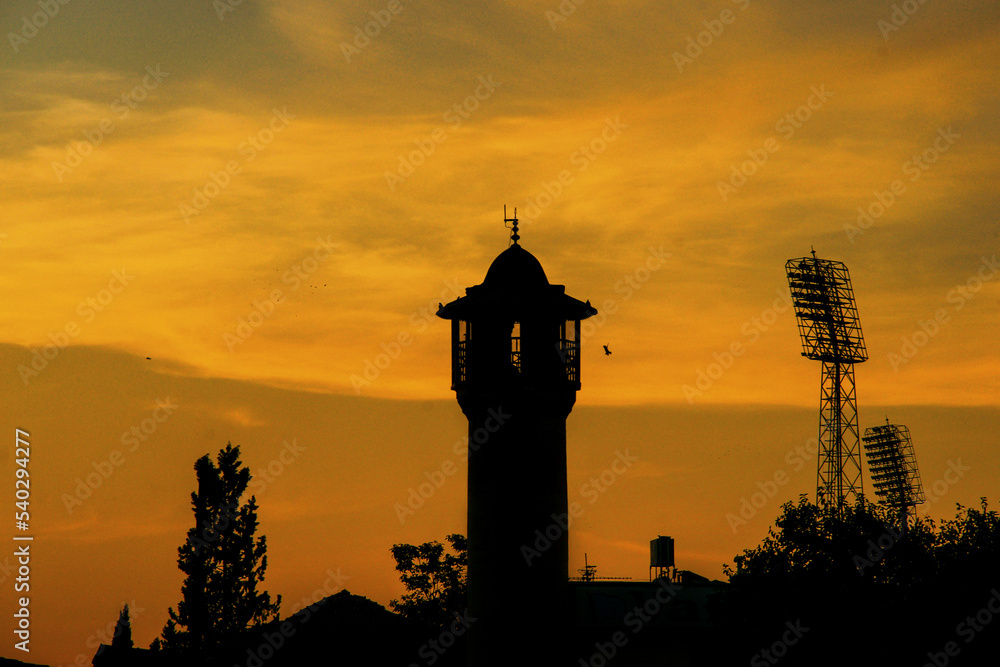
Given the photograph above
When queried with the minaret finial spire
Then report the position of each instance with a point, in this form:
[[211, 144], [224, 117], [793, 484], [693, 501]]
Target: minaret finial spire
[[513, 230]]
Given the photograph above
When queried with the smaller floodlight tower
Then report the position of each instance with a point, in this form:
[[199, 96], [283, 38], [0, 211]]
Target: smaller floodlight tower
[[831, 332], [893, 468]]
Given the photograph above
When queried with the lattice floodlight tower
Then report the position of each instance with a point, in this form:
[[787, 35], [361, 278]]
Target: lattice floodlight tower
[[831, 333], [893, 467]]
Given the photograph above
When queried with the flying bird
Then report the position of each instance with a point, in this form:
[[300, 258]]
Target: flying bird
[[607, 352]]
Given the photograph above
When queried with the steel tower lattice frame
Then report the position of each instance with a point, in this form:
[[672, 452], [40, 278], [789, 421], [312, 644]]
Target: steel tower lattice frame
[[830, 330]]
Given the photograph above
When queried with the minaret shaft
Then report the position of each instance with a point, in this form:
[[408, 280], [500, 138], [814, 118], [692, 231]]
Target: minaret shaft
[[515, 372]]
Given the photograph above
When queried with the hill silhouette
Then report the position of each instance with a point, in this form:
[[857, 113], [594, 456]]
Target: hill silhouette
[[8, 662], [341, 628]]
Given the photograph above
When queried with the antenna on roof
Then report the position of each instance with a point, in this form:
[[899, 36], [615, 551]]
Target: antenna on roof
[[513, 229], [589, 573]]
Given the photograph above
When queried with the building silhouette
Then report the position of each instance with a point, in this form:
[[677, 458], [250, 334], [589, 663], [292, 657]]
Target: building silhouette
[[515, 372]]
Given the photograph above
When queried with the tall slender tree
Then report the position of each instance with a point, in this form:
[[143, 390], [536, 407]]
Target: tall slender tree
[[122, 638], [223, 562]]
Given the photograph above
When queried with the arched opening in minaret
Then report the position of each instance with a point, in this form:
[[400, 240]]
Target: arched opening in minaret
[[569, 349], [461, 335], [515, 347]]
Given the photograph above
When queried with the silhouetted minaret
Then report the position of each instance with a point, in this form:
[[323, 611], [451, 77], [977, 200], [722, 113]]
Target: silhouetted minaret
[[516, 371]]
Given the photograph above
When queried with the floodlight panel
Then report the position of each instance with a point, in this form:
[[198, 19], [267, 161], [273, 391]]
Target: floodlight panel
[[893, 465], [825, 309]]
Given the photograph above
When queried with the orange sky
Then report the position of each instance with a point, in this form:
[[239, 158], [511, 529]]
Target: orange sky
[[265, 211]]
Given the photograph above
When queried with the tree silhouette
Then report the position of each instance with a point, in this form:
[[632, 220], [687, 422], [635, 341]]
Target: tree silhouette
[[223, 562], [837, 575], [864, 544], [122, 638], [969, 544], [436, 581]]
